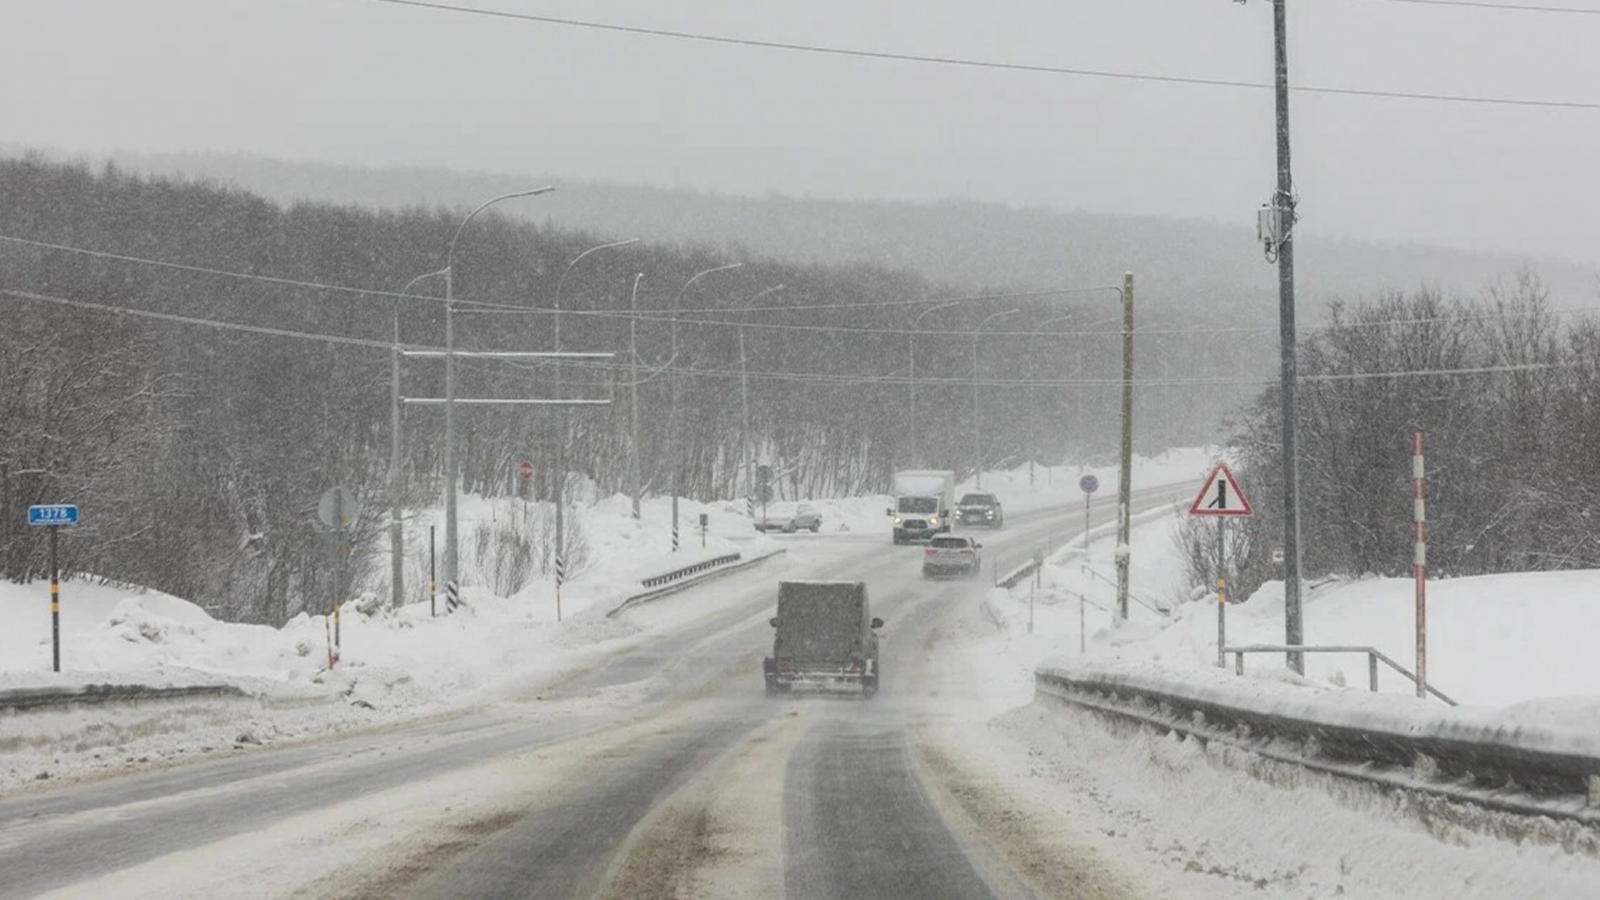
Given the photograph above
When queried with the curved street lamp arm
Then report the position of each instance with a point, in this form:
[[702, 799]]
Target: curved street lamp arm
[[771, 290], [918, 320], [991, 317], [699, 275], [579, 258], [413, 282], [450, 255]]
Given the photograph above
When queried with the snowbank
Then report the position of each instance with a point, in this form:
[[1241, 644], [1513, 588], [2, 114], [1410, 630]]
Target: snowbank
[[1494, 640]]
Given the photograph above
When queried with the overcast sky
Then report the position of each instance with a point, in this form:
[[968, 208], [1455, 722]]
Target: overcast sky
[[357, 81]]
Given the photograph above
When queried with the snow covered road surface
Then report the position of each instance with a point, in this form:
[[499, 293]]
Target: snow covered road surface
[[642, 755]]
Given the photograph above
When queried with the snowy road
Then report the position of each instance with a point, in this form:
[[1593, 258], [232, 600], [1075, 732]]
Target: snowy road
[[661, 770]]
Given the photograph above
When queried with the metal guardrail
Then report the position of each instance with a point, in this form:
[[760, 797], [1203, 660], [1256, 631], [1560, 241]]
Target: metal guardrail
[[18, 699], [1017, 577], [690, 581], [1492, 767], [686, 571], [1374, 656]]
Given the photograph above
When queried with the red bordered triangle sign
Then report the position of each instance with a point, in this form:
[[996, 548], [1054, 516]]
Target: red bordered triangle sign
[[1221, 495]]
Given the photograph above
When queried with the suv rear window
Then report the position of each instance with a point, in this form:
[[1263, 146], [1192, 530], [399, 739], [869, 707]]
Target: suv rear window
[[950, 543]]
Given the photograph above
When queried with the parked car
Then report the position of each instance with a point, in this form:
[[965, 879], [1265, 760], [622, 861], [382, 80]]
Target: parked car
[[952, 555], [981, 509], [789, 518]]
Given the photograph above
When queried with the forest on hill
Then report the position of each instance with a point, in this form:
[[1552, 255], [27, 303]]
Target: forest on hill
[[198, 450]]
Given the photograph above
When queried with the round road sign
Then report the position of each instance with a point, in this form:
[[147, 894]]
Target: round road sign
[[338, 508], [1089, 484], [525, 470]]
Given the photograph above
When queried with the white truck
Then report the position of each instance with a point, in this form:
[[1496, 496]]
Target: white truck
[[923, 503]]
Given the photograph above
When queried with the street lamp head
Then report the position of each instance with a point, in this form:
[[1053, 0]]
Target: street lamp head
[[992, 316]]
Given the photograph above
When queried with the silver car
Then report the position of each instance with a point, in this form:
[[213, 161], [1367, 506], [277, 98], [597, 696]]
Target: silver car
[[789, 518]]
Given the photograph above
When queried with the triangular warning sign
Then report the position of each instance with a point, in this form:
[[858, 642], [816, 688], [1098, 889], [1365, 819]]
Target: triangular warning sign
[[1221, 495]]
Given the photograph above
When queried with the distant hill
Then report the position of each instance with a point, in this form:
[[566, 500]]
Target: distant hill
[[1193, 269]]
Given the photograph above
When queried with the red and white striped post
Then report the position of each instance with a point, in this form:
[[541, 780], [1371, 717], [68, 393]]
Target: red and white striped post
[[1419, 497]]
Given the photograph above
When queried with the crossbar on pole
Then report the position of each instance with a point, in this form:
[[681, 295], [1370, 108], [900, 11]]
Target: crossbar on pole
[[510, 401], [504, 354]]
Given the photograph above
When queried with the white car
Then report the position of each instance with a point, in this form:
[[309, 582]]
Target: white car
[[952, 555]]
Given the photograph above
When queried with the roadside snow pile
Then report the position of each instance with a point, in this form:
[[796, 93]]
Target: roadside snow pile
[[1493, 640], [1270, 694]]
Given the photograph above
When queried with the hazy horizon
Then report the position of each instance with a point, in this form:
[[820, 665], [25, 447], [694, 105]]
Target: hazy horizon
[[365, 83]]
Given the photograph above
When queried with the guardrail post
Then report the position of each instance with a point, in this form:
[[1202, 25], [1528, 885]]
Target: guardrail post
[[1372, 671], [1238, 662]]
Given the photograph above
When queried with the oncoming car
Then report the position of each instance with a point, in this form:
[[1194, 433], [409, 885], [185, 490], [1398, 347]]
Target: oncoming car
[[952, 555], [981, 509]]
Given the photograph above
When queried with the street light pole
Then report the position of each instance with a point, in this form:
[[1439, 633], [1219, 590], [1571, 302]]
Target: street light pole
[[451, 557], [1125, 473], [1033, 436], [977, 415], [672, 422], [633, 388], [559, 483], [745, 453], [397, 544], [911, 353]]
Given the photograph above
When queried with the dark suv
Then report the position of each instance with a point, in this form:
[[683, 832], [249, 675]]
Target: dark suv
[[980, 509]]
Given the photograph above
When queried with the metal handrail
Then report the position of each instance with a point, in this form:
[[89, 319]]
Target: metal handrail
[[1374, 656]]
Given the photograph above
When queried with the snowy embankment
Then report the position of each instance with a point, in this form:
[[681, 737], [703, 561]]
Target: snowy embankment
[[1493, 640], [1515, 648]]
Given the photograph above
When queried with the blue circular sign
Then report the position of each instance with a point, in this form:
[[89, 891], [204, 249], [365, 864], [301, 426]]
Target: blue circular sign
[[1089, 483]]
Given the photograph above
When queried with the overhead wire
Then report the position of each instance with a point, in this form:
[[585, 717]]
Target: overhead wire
[[812, 377], [1501, 7], [967, 62], [210, 323]]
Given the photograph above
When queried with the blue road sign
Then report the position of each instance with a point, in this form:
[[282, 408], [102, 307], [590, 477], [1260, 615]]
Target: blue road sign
[[1089, 484], [53, 514]]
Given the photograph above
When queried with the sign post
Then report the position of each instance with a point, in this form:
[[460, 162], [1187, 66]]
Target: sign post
[[705, 526], [1419, 499], [338, 509], [1088, 484], [53, 517], [1221, 498]]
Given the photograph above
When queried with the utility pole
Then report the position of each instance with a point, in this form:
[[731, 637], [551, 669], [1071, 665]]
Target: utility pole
[[397, 545], [674, 430], [911, 353], [1283, 202], [1125, 475], [633, 388], [562, 430], [452, 571], [977, 414], [747, 458]]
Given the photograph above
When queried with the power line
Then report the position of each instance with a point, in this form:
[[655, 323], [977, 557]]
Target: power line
[[210, 323], [812, 377], [491, 307], [839, 378], [965, 62], [1502, 7], [665, 317], [204, 270]]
